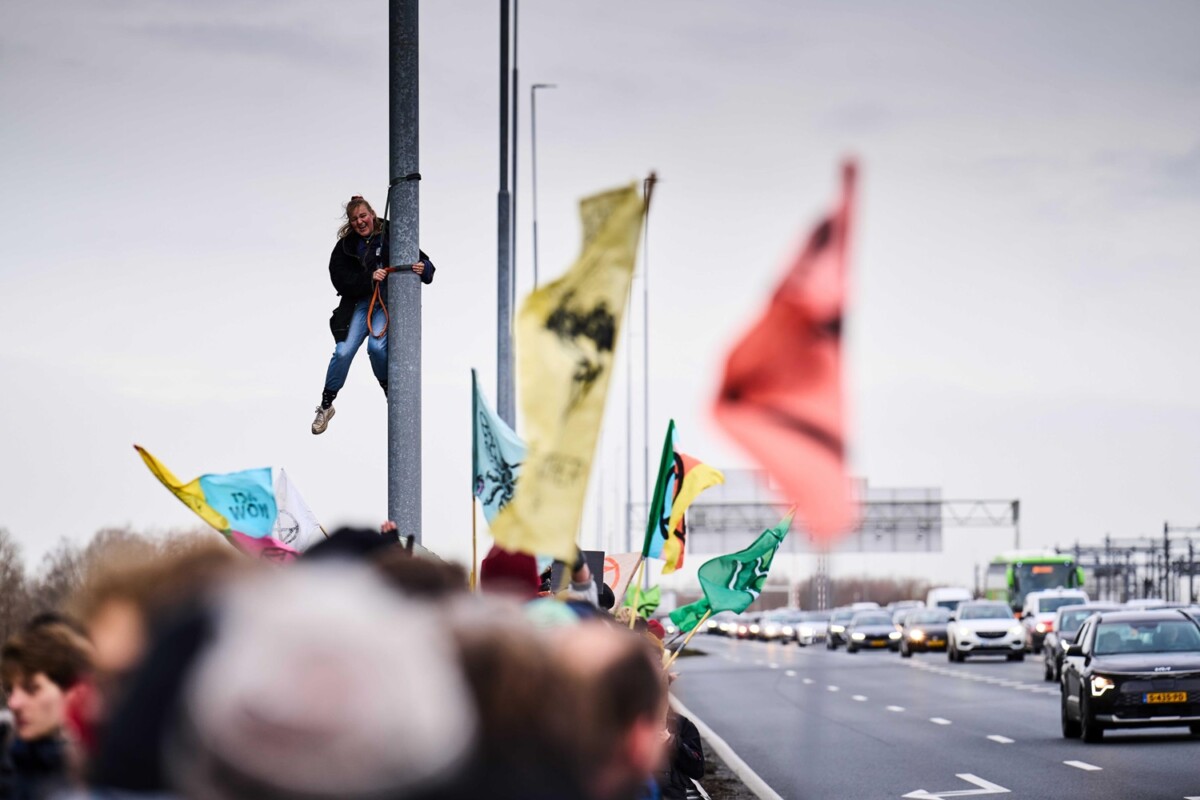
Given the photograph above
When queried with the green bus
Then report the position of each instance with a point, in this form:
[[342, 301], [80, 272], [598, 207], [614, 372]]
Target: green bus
[[1013, 575]]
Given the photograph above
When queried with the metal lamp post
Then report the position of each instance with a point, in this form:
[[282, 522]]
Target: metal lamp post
[[533, 163]]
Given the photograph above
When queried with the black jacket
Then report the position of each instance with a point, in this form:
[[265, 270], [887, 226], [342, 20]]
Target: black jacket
[[351, 274], [686, 758]]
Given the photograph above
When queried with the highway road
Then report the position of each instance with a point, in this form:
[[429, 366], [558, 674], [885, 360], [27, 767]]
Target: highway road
[[819, 724]]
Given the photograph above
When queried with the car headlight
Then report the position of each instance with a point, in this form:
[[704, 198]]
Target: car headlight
[[1016, 630], [787, 631], [916, 635], [726, 627], [858, 637], [837, 628], [894, 635], [1042, 627], [754, 629], [1100, 685]]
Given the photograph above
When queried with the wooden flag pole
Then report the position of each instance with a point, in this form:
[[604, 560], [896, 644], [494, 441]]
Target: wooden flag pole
[[691, 633], [474, 581], [637, 594]]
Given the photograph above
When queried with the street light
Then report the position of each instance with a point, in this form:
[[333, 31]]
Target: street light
[[533, 146]]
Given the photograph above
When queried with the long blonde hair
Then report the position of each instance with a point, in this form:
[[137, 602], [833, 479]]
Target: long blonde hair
[[356, 201]]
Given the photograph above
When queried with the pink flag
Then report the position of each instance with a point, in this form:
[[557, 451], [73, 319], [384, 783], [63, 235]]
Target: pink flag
[[781, 397]]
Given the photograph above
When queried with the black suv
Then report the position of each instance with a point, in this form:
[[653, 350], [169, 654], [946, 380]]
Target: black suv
[[1132, 669]]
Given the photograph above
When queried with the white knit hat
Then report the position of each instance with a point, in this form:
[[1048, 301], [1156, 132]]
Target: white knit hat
[[321, 681]]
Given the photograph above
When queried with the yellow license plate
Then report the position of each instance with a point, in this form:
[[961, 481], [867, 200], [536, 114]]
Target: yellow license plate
[[936, 642], [878, 644], [1165, 697]]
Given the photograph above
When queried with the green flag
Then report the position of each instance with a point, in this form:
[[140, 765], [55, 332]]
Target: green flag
[[689, 616], [662, 486], [733, 582], [647, 600]]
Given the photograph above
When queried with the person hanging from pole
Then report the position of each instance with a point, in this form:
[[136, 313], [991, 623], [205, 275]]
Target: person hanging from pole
[[359, 271]]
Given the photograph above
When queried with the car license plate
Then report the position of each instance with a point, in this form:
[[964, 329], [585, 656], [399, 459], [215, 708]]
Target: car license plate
[[1165, 697], [936, 642], [878, 643]]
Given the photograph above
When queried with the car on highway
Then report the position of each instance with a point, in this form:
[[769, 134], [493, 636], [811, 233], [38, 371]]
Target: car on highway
[[948, 597], [747, 626], [1131, 669], [984, 627], [923, 630], [1067, 622], [723, 623], [837, 627], [872, 630], [1037, 615], [779, 625], [812, 627]]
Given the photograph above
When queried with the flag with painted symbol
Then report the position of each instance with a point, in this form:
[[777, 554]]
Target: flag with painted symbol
[[566, 336], [260, 511], [732, 582], [497, 454], [696, 477], [781, 395]]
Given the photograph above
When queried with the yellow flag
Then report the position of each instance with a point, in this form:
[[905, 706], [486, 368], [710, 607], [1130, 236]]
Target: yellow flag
[[566, 334]]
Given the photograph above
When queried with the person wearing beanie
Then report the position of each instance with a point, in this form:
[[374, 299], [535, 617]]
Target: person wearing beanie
[[506, 572]]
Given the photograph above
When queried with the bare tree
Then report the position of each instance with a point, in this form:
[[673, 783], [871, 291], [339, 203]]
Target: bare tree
[[14, 586]]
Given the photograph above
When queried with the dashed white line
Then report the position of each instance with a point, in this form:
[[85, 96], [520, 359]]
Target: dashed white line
[[833, 688], [1083, 765], [860, 698], [1000, 739], [791, 673], [807, 680], [895, 708], [939, 721], [773, 666]]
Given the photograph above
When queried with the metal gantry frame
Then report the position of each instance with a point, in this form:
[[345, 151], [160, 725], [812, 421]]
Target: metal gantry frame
[[1131, 568]]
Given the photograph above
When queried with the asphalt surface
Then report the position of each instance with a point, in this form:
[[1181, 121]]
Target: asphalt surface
[[819, 724]]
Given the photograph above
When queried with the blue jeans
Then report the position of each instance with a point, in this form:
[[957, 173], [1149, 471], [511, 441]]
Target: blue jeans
[[343, 352]]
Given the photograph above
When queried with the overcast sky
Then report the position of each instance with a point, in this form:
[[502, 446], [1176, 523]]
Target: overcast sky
[[1024, 319]]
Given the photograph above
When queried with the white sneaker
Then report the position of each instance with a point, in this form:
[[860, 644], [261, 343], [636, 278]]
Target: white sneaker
[[322, 421]]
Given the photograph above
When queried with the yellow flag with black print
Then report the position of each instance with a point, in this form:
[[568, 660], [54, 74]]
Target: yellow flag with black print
[[566, 335]]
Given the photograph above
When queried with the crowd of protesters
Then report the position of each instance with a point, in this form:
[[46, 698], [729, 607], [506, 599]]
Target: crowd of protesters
[[357, 671]]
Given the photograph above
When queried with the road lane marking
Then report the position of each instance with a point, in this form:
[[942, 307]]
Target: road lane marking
[[773, 666], [985, 787], [791, 673], [860, 698], [1083, 765], [895, 708], [807, 680], [939, 721], [1000, 739], [832, 688]]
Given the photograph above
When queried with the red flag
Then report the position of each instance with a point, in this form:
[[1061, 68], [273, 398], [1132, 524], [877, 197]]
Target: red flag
[[781, 397]]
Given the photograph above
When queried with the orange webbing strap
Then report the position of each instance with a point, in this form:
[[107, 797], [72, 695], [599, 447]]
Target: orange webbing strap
[[376, 301]]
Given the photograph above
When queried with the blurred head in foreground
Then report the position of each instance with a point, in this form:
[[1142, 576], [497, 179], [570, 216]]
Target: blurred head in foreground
[[625, 695], [321, 682]]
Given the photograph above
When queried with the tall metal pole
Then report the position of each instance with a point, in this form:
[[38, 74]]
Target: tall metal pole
[[646, 186], [404, 288], [505, 387], [515, 91], [628, 436], [533, 163]]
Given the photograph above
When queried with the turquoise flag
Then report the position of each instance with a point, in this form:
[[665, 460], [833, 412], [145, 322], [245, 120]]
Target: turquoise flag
[[733, 582], [689, 616], [496, 455]]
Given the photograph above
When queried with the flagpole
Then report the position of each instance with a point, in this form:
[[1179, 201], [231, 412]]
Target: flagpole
[[691, 633], [474, 545], [637, 592]]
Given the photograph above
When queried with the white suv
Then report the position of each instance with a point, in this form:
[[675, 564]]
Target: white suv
[[982, 627], [1037, 615]]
